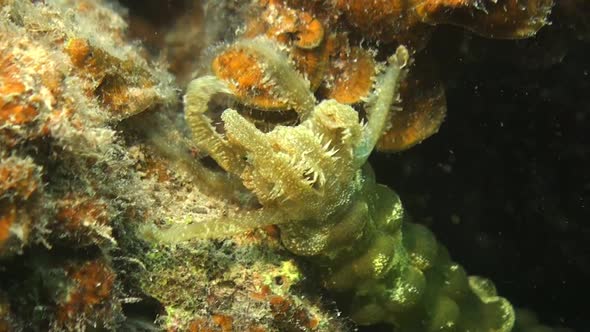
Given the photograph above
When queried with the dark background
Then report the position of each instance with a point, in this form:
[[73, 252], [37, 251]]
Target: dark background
[[505, 184]]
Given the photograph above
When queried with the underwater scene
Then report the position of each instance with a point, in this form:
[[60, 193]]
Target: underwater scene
[[295, 165]]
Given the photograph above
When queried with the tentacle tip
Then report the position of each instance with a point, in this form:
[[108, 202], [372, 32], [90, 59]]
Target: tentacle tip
[[400, 58]]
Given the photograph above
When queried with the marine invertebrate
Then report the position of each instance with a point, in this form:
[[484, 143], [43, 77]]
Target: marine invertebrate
[[338, 69], [313, 181], [505, 19], [331, 131], [421, 111], [404, 20], [81, 163]]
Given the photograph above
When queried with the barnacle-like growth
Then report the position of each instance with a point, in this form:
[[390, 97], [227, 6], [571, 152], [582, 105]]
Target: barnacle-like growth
[[312, 180]]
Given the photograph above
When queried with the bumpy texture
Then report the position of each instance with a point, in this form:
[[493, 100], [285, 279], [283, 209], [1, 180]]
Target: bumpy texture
[[310, 179], [91, 146]]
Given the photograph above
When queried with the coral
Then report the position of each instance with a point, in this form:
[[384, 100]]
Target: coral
[[351, 75], [85, 220], [422, 108], [58, 151], [52, 72], [506, 19], [386, 20], [406, 21], [357, 234], [332, 134], [323, 55], [274, 86], [93, 147], [309, 179]]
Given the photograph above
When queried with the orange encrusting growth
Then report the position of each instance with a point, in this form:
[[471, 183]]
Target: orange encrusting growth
[[17, 114], [385, 20], [504, 19], [405, 20], [80, 54], [109, 77], [246, 78], [288, 24], [12, 110], [352, 75], [7, 218], [300, 28], [9, 83], [224, 322], [422, 111], [312, 34], [306, 30]]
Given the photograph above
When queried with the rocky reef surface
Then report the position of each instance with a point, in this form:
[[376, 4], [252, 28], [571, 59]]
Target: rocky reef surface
[[94, 150]]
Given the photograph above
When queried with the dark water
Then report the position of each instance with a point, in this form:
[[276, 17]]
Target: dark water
[[505, 184]]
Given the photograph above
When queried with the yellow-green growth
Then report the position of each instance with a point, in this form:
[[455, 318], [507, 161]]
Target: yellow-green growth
[[395, 271], [310, 180]]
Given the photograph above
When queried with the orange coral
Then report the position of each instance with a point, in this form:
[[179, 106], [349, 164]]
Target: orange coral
[[122, 87], [312, 34], [9, 82], [80, 53], [17, 114], [423, 109], [301, 27], [507, 19], [287, 24], [20, 180], [246, 78], [386, 20], [312, 63], [346, 73], [403, 20], [218, 323], [352, 75]]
